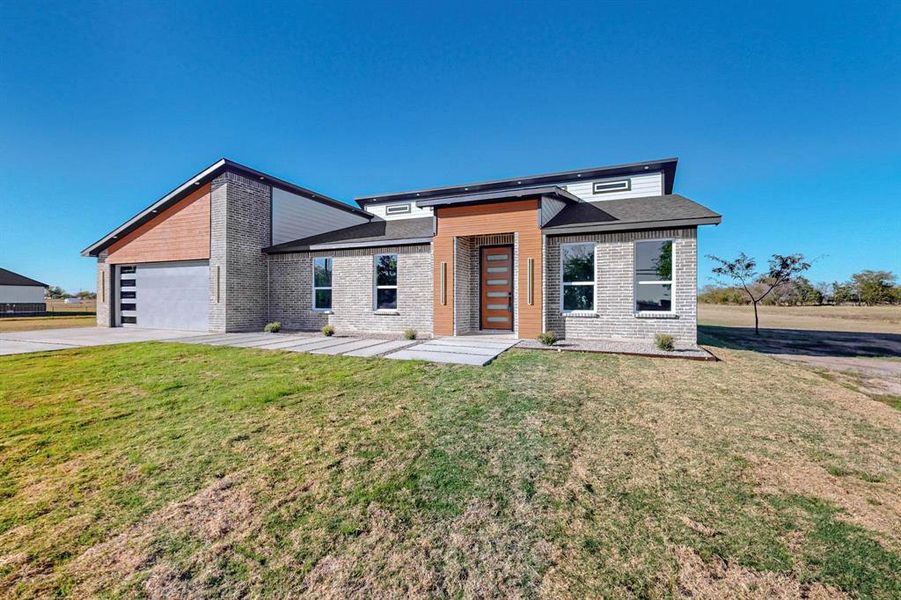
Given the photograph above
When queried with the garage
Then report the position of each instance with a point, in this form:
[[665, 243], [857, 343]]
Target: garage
[[168, 295]]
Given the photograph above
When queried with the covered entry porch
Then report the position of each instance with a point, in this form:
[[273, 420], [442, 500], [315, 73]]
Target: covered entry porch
[[485, 283]]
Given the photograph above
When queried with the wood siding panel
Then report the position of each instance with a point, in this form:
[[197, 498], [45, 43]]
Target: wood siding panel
[[519, 217], [181, 232]]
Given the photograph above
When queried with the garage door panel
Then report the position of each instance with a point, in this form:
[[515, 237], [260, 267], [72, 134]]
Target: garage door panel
[[172, 295]]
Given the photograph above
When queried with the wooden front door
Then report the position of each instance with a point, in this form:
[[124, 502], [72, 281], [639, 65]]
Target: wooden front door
[[496, 288]]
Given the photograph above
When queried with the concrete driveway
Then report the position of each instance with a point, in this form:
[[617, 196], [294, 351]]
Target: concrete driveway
[[20, 342]]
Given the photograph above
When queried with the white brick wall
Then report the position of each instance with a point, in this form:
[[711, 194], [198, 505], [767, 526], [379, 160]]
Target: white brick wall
[[353, 308], [614, 316]]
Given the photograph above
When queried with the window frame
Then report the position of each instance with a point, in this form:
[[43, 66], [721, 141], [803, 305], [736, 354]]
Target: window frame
[[636, 283], [627, 186], [398, 209], [315, 287], [592, 283], [376, 287]]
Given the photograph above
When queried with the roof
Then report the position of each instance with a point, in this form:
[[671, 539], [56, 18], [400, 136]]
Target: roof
[[9, 278], [377, 232], [649, 212], [204, 176], [548, 190], [667, 165]]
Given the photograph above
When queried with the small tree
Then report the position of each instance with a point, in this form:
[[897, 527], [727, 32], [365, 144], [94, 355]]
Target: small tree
[[743, 270], [874, 287], [56, 293]]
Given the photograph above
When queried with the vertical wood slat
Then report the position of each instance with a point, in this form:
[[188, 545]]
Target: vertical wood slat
[[530, 281], [444, 283]]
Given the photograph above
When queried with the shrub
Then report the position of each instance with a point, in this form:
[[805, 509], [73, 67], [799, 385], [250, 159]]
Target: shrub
[[665, 342], [548, 338], [328, 330], [273, 327], [409, 334]]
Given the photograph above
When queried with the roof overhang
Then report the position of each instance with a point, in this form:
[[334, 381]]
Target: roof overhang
[[551, 191], [667, 165], [348, 245], [201, 178], [630, 225]]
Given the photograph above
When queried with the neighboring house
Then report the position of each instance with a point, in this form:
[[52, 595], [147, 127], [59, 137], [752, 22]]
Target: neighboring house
[[608, 252], [20, 294]]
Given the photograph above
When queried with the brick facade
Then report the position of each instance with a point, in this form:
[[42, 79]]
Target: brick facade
[[240, 227], [353, 307], [104, 288], [614, 316]]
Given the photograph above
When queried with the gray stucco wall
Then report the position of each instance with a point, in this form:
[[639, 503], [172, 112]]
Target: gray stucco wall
[[291, 291], [614, 316]]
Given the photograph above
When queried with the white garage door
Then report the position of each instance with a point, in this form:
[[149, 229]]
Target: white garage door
[[165, 295]]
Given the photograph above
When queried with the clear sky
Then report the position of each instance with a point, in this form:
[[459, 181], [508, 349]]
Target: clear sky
[[786, 117]]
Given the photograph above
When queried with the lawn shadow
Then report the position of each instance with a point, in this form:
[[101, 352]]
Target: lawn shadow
[[803, 342]]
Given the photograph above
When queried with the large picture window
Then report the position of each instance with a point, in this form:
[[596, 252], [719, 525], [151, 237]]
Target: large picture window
[[654, 276], [577, 277], [322, 283], [386, 282]]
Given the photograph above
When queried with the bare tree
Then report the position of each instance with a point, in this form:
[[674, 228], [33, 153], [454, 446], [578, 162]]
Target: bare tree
[[743, 270]]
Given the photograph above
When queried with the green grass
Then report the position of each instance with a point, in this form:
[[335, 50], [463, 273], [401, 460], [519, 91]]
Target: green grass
[[165, 469]]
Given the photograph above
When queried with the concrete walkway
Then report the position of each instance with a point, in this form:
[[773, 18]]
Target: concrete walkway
[[21, 342], [461, 350]]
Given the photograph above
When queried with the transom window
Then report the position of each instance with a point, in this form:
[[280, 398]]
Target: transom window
[[577, 277], [322, 283], [386, 282], [654, 276], [397, 209], [606, 187]]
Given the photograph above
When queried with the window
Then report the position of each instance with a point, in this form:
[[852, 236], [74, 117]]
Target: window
[[386, 282], [128, 307], [130, 320], [128, 295], [397, 209], [577, 277], [654, 276], [322, 283], [127, 283], [130, 269], [605, 187]]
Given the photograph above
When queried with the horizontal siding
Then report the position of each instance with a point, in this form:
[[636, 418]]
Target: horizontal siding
[[650, 184], [181, 232], [379, 209], [295, 217], [21, 293]]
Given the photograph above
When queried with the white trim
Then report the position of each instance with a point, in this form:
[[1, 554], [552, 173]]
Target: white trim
[[662, 314], [315, 287], [592, 283], [376, 287]]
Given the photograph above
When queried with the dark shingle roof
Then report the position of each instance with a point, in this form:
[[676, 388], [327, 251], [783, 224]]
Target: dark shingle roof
[[376, 232], [631, 213], [10, 278]]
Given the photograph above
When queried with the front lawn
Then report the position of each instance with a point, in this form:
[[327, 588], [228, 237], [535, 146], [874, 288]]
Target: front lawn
[[171, 470], [55, 322]]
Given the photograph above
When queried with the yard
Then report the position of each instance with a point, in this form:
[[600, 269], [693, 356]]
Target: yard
[[173, 470], [881, 319], [8, 324]]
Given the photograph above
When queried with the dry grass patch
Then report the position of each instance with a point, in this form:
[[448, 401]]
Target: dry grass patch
[[167, 470], [9, 324]]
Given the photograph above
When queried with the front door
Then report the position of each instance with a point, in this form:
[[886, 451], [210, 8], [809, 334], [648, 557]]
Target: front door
[[496, 288]]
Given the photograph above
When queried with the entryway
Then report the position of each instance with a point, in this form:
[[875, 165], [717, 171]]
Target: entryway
[[496, 288]]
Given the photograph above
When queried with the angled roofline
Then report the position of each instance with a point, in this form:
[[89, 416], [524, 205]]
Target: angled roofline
[[204, 176], [630, 225], [25, 281], [667, 165], [548, 190]]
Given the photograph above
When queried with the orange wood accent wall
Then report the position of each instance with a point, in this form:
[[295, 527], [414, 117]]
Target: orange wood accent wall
[[181, 232], [518, 216]]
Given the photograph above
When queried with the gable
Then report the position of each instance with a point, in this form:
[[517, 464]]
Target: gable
[[181, 232]]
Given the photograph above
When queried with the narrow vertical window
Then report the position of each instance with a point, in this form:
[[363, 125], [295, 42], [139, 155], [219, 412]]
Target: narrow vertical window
[[322, 283], [386, 282], [654, 276], [577, 277]]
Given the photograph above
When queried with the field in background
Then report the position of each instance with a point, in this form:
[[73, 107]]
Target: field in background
[[8, 324], [57, 306], [876, 319]]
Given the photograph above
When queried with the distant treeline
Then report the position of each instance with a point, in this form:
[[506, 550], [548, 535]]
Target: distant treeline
[[867, 287]]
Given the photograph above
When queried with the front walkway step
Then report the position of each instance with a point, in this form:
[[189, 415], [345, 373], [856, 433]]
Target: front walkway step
[[385, 346], [355, 345], [442, 357]]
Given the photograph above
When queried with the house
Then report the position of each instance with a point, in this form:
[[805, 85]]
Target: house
[[607, 252], [20, 294]]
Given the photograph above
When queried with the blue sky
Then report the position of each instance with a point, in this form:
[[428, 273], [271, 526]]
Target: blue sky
[[786, 117]]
